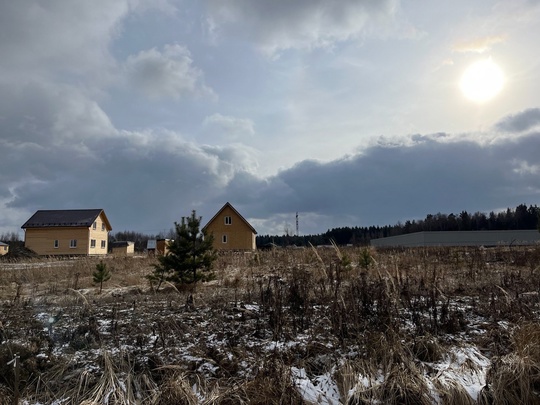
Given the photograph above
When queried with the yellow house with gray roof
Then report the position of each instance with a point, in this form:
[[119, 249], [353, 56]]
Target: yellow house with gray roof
[[231, 230], [67, 232]]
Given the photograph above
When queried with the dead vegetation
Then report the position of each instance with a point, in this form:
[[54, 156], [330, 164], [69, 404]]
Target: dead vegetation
[[338, 325]]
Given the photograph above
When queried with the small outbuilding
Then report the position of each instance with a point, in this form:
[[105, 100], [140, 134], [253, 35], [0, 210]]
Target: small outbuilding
[[158, 246], [123, 248], [4, 248]]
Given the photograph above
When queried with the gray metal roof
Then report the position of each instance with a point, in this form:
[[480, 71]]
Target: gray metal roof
[[462, 238], [63, 218]]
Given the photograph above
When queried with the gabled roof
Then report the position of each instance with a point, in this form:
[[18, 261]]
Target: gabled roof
[[236, 212], [3, 244], [65, 218]]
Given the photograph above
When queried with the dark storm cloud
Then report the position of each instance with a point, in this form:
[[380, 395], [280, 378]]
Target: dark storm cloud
[[144, 181], [521, 121], [388, 183]]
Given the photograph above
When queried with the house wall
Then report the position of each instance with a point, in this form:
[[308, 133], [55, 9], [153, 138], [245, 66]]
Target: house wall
[[239, 234], [41, 241], [4, 249], [101, 233]]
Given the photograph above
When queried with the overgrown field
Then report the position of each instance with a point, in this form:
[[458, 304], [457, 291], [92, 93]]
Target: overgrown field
[[324, 326]]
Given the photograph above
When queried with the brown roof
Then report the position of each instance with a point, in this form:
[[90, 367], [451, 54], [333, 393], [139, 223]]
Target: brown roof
[[65, 218], [236, 212]]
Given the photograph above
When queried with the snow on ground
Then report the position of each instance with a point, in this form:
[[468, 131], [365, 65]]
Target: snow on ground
[[463, 365]]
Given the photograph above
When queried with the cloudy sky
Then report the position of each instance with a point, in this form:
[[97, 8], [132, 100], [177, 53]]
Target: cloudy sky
[[352, 113]]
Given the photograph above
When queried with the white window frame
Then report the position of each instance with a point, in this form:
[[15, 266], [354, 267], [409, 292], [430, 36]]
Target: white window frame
[[103, 244], [224, 238], [92, 243], [94, 225], [73, 244], [56, 243], [228, 220]]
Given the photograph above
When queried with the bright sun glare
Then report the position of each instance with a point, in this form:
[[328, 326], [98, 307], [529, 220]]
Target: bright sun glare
[[482, 81]]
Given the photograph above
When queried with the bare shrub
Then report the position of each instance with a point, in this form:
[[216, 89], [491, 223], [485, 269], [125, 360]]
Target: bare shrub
[[272, 385], [426, 348], [404, 385], [176, 390]]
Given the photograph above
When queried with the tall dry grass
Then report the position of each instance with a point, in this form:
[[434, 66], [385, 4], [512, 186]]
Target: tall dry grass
[[375, 324]]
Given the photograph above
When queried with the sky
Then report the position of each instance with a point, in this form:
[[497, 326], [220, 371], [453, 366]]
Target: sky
[[350, 113]]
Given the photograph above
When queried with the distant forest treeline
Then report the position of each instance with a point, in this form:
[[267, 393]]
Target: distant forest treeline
[[522, 217]]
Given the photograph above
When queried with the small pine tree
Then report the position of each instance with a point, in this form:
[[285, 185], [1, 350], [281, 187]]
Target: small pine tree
[[190, 255], [365, 259], [101, 275]]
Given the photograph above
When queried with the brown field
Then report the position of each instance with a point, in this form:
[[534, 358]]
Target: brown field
[[277, 327]]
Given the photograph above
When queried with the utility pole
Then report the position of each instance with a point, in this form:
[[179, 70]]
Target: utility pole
[[297, 234]]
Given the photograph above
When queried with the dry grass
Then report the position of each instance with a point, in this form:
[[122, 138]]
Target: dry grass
[[515, 377], [377, 326]]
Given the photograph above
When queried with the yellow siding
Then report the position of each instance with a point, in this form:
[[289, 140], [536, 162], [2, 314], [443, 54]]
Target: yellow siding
[[41, 240], [101, 233], [239, 234], [4, 250]]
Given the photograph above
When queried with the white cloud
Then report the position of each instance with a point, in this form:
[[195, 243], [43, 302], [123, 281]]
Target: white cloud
[[167, 74], [227, 127], [47, 38], [479, 45], [305, 24], [523, 168]]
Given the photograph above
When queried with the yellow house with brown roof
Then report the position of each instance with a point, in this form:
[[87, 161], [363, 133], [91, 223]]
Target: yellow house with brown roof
[[67, 232], [231, 230]]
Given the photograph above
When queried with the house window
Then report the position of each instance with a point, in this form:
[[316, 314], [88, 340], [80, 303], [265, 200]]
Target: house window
[[228, 220], [73, 243], [94, 225], [56, 243], [103, 244], [224, 239], [103, 226], [93, 243]]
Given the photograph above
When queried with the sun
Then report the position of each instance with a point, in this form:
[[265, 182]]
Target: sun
[[482, 81]]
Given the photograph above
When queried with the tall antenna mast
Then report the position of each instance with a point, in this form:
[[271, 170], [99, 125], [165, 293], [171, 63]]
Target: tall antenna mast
[[297, 234]]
